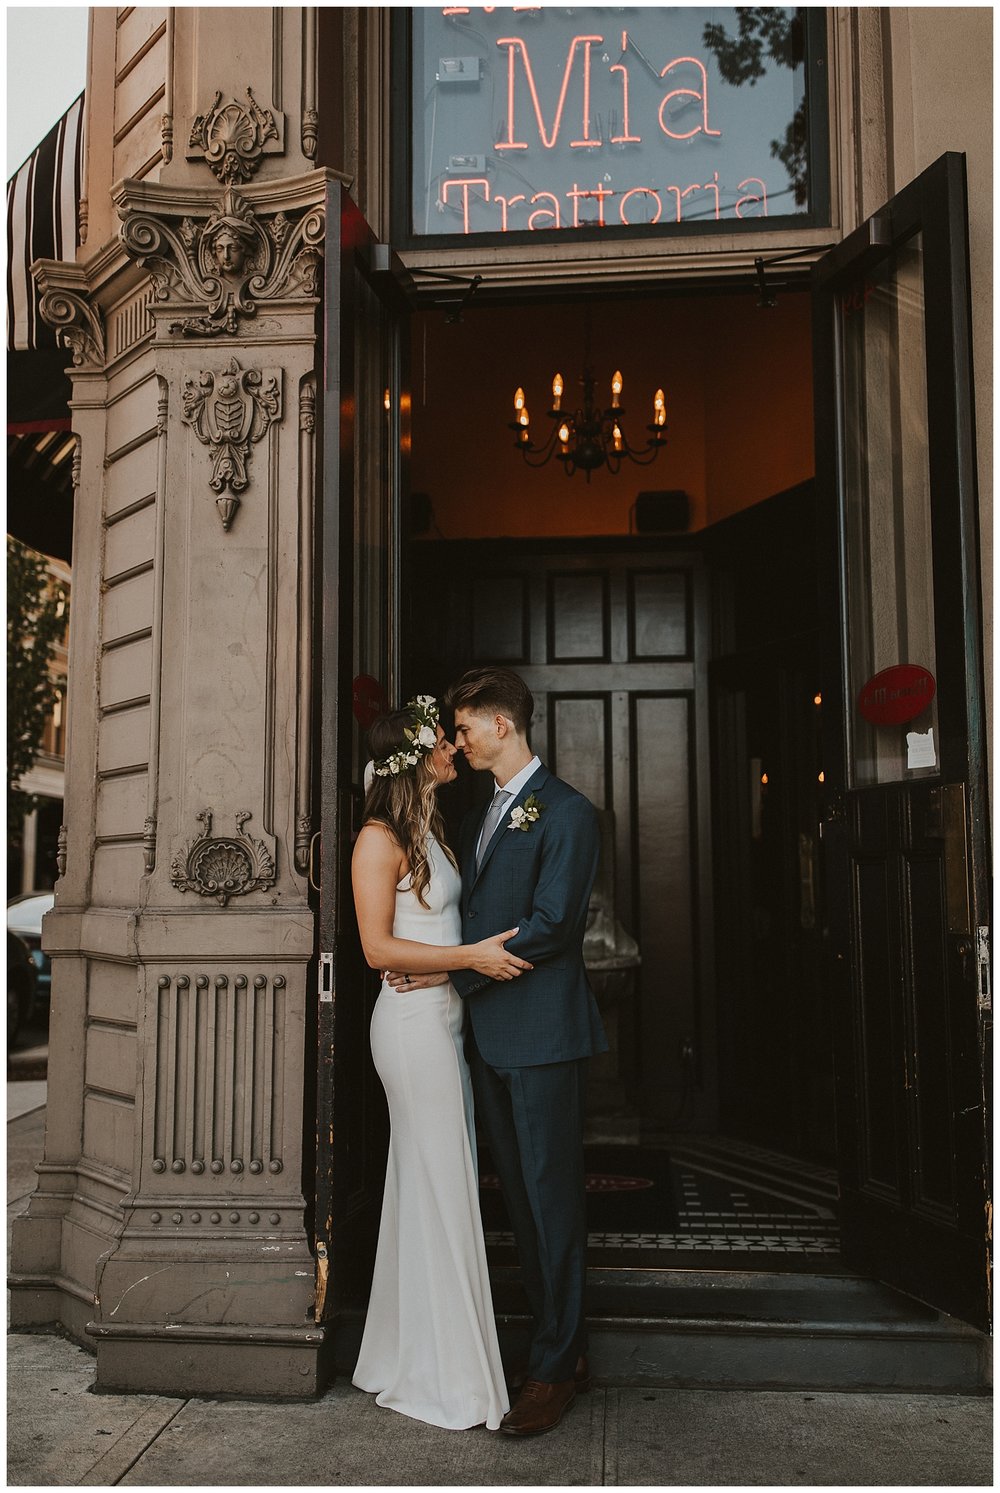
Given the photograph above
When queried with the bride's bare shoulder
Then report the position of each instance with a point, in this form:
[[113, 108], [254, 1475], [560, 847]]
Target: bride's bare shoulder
[[377, 847], [378, 838]]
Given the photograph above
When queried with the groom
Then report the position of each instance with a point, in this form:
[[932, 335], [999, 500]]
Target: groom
[[530, 863]]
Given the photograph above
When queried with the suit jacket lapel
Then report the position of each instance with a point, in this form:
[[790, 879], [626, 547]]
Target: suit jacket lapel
[[531, 786], [469, 850]]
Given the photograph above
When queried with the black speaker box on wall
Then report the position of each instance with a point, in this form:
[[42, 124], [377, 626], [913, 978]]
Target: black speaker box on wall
[[661, 512]]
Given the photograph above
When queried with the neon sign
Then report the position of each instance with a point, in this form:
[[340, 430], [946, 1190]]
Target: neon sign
[[524, 120]]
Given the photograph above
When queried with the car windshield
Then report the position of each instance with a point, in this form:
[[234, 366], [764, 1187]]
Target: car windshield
[[26, 916]]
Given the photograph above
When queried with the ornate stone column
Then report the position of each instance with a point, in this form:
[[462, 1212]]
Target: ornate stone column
[[211, 1280], [183, 931]]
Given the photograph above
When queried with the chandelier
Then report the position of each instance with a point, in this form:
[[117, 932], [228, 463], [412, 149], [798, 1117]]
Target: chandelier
[[589, 437]]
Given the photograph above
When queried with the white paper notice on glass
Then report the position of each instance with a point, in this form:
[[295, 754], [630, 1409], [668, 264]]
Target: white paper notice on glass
[[920, 749]]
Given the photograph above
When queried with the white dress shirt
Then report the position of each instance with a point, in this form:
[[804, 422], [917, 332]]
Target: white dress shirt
[[514, 785]]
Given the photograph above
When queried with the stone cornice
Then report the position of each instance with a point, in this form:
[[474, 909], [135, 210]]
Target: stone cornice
[[106, 263], [124, 936], [217, 256], [287, 194]]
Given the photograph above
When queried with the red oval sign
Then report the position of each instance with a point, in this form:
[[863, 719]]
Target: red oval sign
[[896, 695], [369, 700]]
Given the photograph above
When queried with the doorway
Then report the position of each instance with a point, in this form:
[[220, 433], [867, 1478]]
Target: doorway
[[671, 646]]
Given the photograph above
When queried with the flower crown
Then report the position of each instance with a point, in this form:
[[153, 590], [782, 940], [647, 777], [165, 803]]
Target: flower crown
[[422, 738]]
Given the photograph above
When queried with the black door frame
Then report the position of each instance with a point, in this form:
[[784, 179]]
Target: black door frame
[[891, 1237], [347, 1157]]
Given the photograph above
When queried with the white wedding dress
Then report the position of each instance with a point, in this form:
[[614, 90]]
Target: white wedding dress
[[430, 1347]]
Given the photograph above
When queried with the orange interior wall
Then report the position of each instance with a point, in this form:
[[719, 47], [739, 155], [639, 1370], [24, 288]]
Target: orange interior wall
[[758, 402], [738, 386]]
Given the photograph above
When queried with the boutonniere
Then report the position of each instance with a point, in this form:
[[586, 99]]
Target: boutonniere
[[526, 814]]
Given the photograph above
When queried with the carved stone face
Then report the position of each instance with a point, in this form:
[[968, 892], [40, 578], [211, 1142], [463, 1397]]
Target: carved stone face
[[230, 251]]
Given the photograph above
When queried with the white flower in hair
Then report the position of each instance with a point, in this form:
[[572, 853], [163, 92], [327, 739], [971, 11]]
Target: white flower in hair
[[421, 738]]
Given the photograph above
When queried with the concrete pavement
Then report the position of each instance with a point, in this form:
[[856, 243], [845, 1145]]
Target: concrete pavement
[[62, 1434]]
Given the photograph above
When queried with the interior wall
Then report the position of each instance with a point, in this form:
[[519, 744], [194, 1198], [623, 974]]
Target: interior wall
[[738, 386], [758, 401]]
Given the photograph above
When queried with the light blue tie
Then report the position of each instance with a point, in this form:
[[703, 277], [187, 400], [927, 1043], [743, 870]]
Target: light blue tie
[[493, 816]]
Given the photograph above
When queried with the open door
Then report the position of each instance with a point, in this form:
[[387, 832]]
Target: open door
[[906, 819], [364, 440]]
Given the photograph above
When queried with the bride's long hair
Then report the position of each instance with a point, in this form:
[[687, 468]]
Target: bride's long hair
[[407, 802]]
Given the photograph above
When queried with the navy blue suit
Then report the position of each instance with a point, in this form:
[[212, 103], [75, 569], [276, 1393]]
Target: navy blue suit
[[527, 1042]]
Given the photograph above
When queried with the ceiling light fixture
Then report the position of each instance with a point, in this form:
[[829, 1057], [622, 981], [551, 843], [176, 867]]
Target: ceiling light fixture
[[589, 437]]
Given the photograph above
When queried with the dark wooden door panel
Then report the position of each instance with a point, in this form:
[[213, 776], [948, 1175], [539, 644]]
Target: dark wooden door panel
[[611, 642], [578, 618], [880, 1032], [664, 865], [501, 620], [581, 744], [660, 615]]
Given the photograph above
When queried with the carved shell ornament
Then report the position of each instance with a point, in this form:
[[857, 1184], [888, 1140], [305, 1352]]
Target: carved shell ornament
[[233, 136], [223, 866], [228, 262]]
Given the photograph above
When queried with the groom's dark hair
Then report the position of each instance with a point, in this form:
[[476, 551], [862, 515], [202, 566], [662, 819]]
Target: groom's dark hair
[[493, 691]]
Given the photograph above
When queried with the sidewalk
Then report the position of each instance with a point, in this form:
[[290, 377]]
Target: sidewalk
[[61, 1434]]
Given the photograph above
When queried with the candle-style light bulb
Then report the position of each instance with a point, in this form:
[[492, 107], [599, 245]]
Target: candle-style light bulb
[[564, 435], [518, 400], [557, 391], [616, 388], [616, 436], [659, 408]]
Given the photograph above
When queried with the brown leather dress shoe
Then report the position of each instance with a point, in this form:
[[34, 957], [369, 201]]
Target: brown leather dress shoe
[[539, 1408], [517, 1378]]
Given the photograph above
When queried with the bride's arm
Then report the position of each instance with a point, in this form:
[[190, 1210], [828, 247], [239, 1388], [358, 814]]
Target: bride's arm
[[377, 867]]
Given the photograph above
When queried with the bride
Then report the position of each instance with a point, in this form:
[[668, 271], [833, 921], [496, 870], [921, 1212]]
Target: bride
[[430, 1347]]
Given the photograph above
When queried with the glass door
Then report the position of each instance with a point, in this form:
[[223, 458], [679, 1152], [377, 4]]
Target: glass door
[[905, 831]]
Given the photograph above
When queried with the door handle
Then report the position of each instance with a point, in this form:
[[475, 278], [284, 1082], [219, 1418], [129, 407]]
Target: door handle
[[983, 965]]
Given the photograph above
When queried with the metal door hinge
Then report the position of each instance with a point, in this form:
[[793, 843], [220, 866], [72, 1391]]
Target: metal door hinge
[[326, 977], [983, 963]]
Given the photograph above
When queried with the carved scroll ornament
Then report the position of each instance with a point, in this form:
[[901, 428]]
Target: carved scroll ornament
[[232, 137], [223, 866], [77, 323], [227, 263]]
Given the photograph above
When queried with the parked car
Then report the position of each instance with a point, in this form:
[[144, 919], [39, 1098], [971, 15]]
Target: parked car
[[24, 917], [21, 984]]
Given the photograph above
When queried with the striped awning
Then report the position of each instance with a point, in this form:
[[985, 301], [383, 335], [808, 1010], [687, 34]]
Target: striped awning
[[42, 206]]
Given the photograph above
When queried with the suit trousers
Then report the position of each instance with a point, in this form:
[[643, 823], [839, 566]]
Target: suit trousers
[[533, 1118]]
